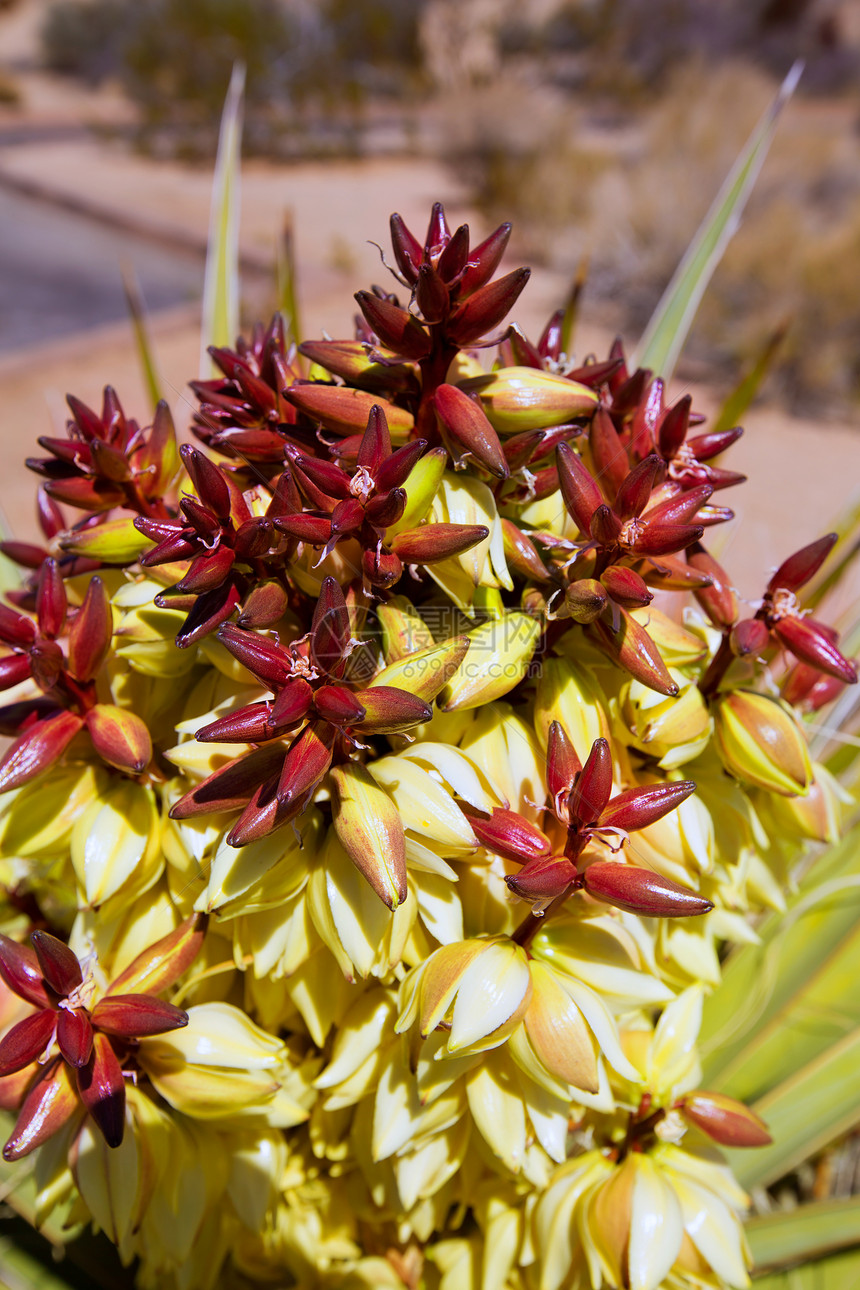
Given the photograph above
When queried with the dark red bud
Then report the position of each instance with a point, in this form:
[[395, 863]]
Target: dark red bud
[[663, 539], [395, 470], [21, 972], [254, 539], [680, 508], [382, 569], [207, 571], [608, 452], [264, 605], [750, 637], [398, 330], [307, 760], [521, 553], [102, 1090], [259, 655], [485, 259], [605, 526], [313, 529], [636, 808], [438, 232], [486, 308], [375, 445], [592, 786], [51, 520], [134, 1015], [51, 602], [432, 542], [339, 705], [579, 489], [674, 425], [808, 641], [16, 629], [543, 879], [385, 509], [209, 612], [90, 633], [719, 600], [408, 251], [467, 426], [209, 483], [14, 669], [37, 749], [562, 767], [24, 553], [585, 599], [626, 586], [641, 891], [453, 259], [60, 966], [705, 446], [803, 565], [251, 724], [389, 710], [431, 294], [509, 835], [635, 491], [229, 787], [74, 1035], [327, 477], [330, 626], [49, 1105], [26, 1041]]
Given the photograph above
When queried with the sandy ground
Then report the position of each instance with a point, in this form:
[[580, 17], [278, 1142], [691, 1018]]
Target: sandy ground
[[802, 473]]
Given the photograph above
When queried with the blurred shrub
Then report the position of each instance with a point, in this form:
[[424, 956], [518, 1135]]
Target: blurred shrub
[[173, 58]]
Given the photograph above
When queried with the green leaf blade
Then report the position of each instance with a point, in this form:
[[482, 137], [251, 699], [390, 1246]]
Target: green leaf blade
[[221, 281]]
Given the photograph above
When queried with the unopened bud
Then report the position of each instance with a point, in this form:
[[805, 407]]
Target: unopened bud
[[467, 427], [345, 411], [542, 879], [586, 599], [642, 891], [371, 831], [121, 738], [523, 398], [725, 1119], [760, 741], [399, 330]]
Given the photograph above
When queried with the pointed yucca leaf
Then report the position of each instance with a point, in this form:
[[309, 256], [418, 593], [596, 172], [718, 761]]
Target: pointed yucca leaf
[[803, 1114], [808, 1232], [737, 402], [287, 279], [140, 325], [838, 1272], [667, 331], [788, 996], [221, 281]]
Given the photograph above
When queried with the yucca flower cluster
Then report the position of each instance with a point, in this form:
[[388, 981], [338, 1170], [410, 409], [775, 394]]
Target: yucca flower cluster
[[387, 775]]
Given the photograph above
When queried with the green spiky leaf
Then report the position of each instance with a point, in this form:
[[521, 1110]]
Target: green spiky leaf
[[221, 282]]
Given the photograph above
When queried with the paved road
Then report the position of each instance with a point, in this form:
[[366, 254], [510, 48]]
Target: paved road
[[60, 272]]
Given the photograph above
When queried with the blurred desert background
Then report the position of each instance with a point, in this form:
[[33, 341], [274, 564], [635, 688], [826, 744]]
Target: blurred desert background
[[601, 128]]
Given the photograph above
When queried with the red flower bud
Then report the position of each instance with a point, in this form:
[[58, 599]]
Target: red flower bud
[[641, 891], [381, 568], [325, 475], [50, 1104], [251, 724], [264, 605], [307, 760], [259, 655], [521, 553], [102, 1090], [389, 710], [375, 446], [395, 470], [542, 879], [585, 599], [634, 493], [508, 834], [804, 564], [466, 424], [605, 526], [229, 787], [607, 451], [432, 542], [120, 737], [313, 529], [681, 507], [636, 808], [20, 970], [562, 766], [90, 633], [132, 1016], [592, 786], [626, 586], [431, 295], [74, 1035], [486, 308], [26, 1041], [60, 966], [452, 261], [408, 251], [633, 649], [484, 260], [385, 508], [337, 704], [14, 669], [438, 232], [579, 490], [209, 483], [398, 330], [51, 602], [209, 612], [330, 627], [808, 641], [711, 444], [749, 637], [724, 1119], [86, 493], [673, 427], [16, 629], [37, 749], [662, 539], [719, 600]]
